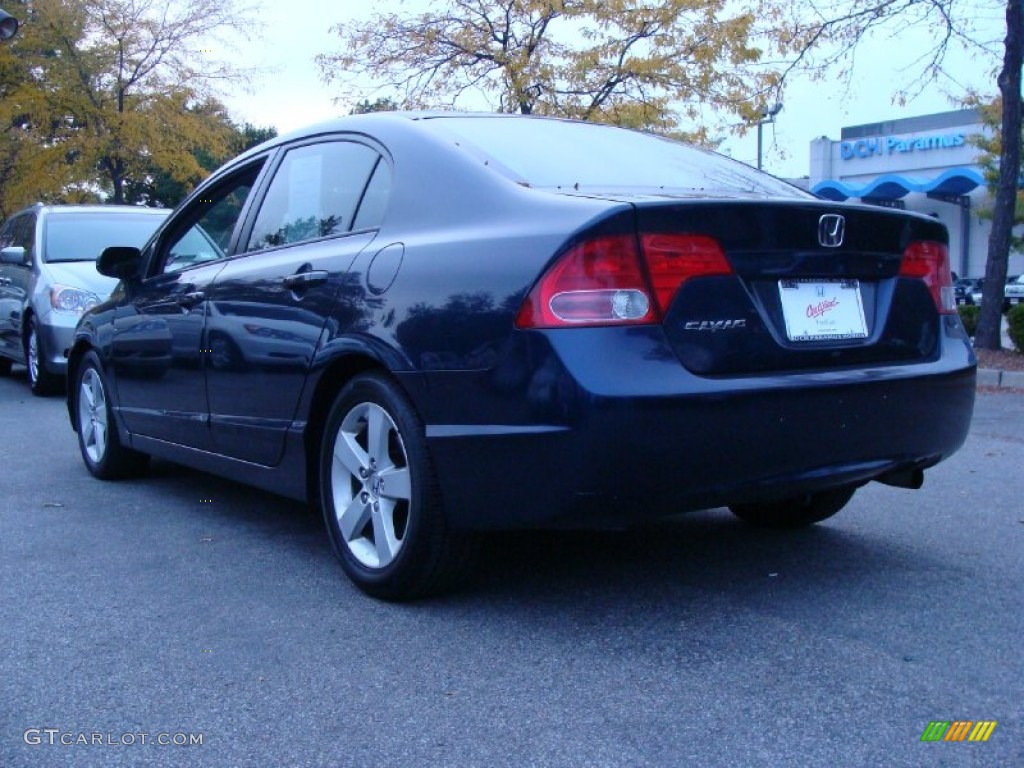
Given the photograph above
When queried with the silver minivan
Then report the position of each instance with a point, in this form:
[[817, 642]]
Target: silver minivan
[[48, 278]]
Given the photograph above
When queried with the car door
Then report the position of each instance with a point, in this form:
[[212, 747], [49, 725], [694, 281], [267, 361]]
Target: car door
[[269, 307], [8, 306], [157, 351], [16, 285]]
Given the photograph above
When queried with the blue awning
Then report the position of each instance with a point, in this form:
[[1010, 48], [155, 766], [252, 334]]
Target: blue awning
[[892, 186]]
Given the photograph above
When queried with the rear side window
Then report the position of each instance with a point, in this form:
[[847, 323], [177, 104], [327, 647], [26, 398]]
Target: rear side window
[[315, 193]]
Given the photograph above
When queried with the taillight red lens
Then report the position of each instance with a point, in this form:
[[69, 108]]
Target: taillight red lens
[[598, 282], [672, 259], [603, 281], [928, 260]]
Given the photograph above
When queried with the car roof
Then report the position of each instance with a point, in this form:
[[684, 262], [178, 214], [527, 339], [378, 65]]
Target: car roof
[[394, 119], [130, 209]]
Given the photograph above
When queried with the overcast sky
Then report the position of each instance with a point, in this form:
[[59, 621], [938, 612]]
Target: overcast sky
[[289, 93]]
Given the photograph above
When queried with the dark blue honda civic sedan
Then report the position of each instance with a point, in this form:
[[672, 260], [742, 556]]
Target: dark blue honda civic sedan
[[432, 325]]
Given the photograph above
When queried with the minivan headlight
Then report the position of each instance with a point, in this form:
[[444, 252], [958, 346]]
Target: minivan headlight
[[64, 298]]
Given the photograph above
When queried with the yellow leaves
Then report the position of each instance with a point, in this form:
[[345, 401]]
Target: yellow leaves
[[635, 62], [100, 93]]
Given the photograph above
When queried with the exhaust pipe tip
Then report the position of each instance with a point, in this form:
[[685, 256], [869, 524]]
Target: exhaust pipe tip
[[904, 478]]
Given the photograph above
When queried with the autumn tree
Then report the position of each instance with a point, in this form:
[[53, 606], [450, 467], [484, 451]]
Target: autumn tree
[[96, 93], [381, 104], [650, 64], [990, 143], [158, 187]]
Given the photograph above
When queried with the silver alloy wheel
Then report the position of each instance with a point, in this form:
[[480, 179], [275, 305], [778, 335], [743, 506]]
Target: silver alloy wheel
[[33, 354], [92, 415], [371, 486]]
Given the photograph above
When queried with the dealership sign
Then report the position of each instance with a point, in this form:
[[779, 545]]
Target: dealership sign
[[881, 146]]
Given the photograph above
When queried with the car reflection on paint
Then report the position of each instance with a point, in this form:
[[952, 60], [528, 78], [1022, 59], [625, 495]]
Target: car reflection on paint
[[433, 325], [242, 335]]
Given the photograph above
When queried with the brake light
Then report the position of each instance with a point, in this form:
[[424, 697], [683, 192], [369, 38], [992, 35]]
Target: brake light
[[672, 259], [616, 280], [928, 260]]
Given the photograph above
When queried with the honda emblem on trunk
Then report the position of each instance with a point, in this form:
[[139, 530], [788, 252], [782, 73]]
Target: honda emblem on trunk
[[831, 228]]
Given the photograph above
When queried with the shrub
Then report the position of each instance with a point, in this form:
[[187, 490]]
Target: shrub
[[1015, 319], [969, 317]]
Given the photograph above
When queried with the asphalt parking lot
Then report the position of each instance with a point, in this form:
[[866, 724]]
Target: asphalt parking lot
[[147, 616]]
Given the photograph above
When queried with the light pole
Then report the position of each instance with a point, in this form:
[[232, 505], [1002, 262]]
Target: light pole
[[767, 116]]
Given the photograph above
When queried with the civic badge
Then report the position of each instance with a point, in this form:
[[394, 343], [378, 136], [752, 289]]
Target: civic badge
[[831, 228]]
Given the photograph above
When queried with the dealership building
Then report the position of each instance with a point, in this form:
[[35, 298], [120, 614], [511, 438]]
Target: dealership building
[[925, 164]]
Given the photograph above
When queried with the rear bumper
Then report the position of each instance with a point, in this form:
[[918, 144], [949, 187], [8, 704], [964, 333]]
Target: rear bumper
[[584, 437]]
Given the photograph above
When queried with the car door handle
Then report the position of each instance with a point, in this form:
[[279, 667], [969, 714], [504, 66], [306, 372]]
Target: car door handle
[[189, 299], [305, 279]]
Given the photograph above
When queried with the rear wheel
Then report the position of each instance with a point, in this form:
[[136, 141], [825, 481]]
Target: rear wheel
[[796, 512], [380, 498], [104, 455], [40, 380]]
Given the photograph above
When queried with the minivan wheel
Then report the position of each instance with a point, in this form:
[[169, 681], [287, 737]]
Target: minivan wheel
[[104, 455], [380, 499], [41, 381], [795, 512]]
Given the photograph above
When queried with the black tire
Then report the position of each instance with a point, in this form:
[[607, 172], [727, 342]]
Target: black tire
[[394, 543], [5, 366], [98, 440], [40, 380], [796, 512]]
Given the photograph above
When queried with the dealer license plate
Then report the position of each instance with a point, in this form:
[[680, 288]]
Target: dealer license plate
[[822, 310]]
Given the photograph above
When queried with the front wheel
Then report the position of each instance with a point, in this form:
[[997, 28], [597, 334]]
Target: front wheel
[[380, 499], [796, 512], [41, 381], [101, 447]]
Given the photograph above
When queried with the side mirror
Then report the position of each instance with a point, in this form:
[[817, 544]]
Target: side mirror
[[119, 261], [8, 25], [12, 254]]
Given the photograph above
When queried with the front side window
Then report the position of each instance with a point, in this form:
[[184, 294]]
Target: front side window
[[7, 232], [25, 235], [203, 233], [315, 193]]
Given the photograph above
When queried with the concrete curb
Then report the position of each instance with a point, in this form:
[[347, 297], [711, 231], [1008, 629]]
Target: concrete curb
[[996, 379]]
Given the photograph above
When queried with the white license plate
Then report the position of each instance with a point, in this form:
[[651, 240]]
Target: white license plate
[[822, 310]]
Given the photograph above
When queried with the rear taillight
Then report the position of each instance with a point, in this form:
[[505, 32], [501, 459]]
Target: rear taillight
[[616, 280], [928, 260], [674, 259]]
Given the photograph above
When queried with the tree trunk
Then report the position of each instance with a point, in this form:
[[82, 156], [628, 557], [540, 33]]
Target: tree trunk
[[987, 335]]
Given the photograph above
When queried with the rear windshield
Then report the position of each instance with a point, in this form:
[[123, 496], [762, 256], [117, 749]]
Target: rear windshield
[[83, 236], [588, 156]]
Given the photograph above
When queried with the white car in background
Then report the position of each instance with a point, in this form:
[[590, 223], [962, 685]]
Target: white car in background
[[48, 278], [1015, 290]]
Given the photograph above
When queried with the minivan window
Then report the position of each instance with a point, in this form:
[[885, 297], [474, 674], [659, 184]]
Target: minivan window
[[83, 236]]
